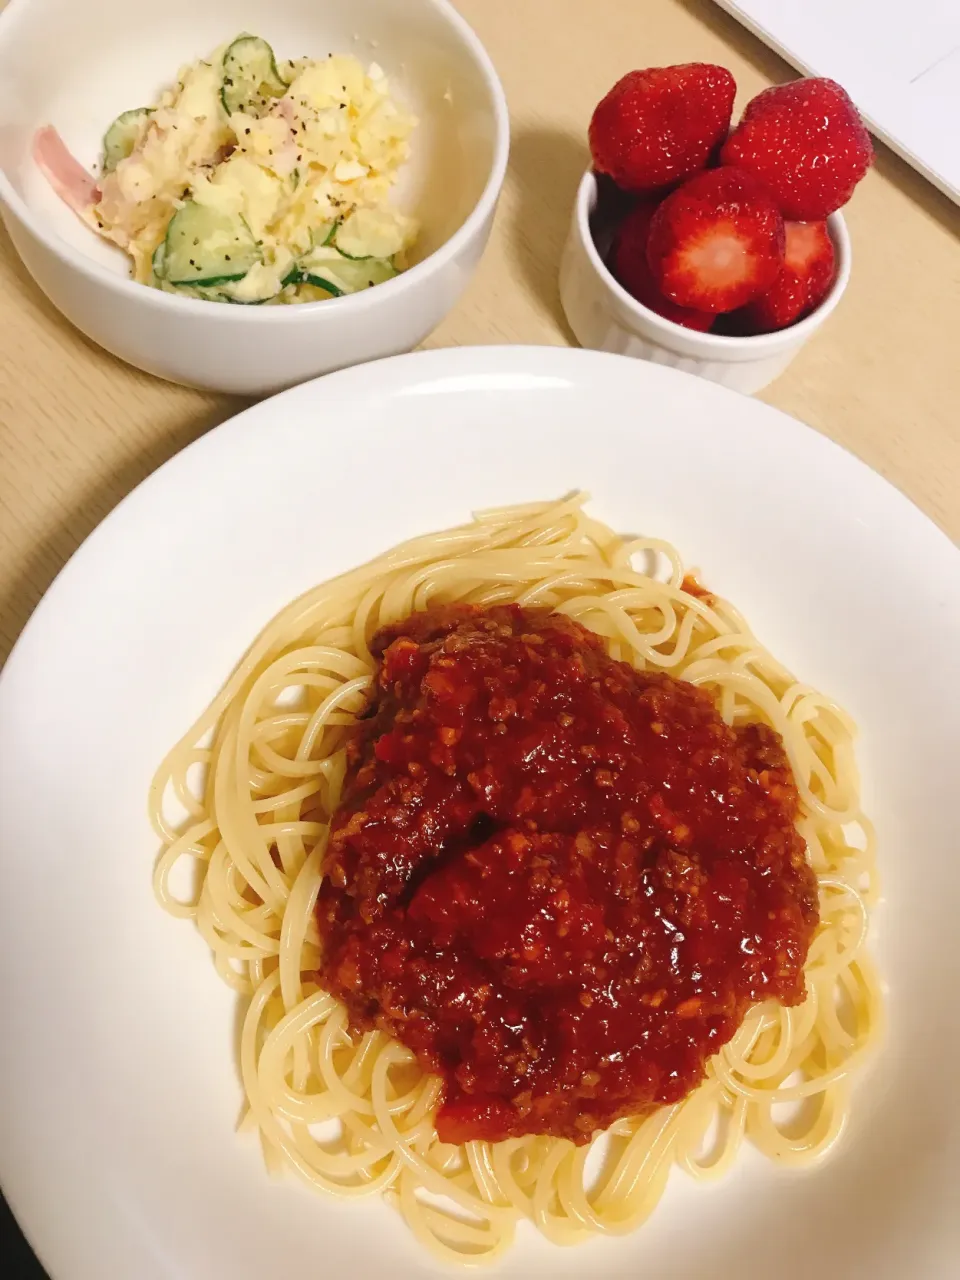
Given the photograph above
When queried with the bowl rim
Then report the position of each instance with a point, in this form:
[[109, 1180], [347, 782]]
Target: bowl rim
[[357, 302], [715, 343]]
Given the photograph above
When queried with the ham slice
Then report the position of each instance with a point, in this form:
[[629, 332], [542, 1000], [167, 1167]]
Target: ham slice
[[66, 175]]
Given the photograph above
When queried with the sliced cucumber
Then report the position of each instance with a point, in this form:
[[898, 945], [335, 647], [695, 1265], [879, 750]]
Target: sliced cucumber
[[321, 282], [159, 256], [208, 295], [370, 233], [323, 253], [215, 246], [224, 296], [356, 274], [327, 269], [355, 257], [323, 258], [261, 284], [250, 76], [122, 136], [205, 247]]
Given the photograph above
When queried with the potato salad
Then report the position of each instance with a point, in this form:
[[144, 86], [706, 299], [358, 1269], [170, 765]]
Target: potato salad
[[252, 181]]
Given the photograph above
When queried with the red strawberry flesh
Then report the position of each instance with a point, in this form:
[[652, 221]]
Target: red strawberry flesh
[[808, 272], [629, 264], [658, 126], [717, 242], [806, 141]]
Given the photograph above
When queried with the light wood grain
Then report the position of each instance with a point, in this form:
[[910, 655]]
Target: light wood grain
[[78, 429]]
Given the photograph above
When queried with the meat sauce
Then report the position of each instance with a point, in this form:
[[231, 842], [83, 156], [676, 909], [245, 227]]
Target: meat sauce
[[558, 880]]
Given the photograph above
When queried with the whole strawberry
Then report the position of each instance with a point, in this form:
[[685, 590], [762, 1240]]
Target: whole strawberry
[[717, 242], [804, 281], [629, 264], [806, 141], [656, 127]]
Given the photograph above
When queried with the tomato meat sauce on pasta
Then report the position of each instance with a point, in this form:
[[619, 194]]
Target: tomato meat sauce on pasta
[[517, 834], [559, 880]]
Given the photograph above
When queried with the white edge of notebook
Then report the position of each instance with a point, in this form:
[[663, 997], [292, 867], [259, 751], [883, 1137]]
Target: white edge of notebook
[[745, 20]]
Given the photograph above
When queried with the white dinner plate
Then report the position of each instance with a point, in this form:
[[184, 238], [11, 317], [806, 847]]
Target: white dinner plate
[[118, 1082]]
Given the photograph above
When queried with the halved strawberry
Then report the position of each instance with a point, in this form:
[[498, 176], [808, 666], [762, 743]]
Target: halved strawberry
[[717, 242], [628, 261], [806, 141], [657, 126], [803, 283]]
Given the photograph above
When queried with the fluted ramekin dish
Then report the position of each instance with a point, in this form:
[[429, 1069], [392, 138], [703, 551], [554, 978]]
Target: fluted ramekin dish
[[604, 316]]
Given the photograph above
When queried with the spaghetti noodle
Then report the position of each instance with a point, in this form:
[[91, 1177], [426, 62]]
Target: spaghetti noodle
[[248, 794]]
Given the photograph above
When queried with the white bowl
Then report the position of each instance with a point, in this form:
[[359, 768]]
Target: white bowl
[[77, 63], [605, 317]]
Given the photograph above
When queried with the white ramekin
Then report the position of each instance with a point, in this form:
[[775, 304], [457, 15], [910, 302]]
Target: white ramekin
[[605, 317]]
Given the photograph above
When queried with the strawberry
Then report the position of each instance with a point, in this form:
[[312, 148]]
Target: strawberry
[[658, 126], [628, 261], [803, 283], [716, 242], [806, 141]]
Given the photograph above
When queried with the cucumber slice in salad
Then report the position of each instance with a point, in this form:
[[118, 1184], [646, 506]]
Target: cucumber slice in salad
[[122, 136], [207, 254], [205, 247], [328, 269], [364, 273], [219, 294], [250, 76], [369, 233], [159, 256], [321, 282]]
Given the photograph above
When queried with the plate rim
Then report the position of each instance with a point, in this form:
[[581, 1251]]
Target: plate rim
[[440, 356]]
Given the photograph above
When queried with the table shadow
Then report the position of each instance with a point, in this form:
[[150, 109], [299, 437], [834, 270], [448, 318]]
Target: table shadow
[[545, 169]]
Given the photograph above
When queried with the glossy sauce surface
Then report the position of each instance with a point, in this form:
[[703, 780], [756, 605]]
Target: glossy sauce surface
[[558, 880]]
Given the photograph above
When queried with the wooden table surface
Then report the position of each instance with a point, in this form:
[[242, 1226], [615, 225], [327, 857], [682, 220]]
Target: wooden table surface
[[78, 429]]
